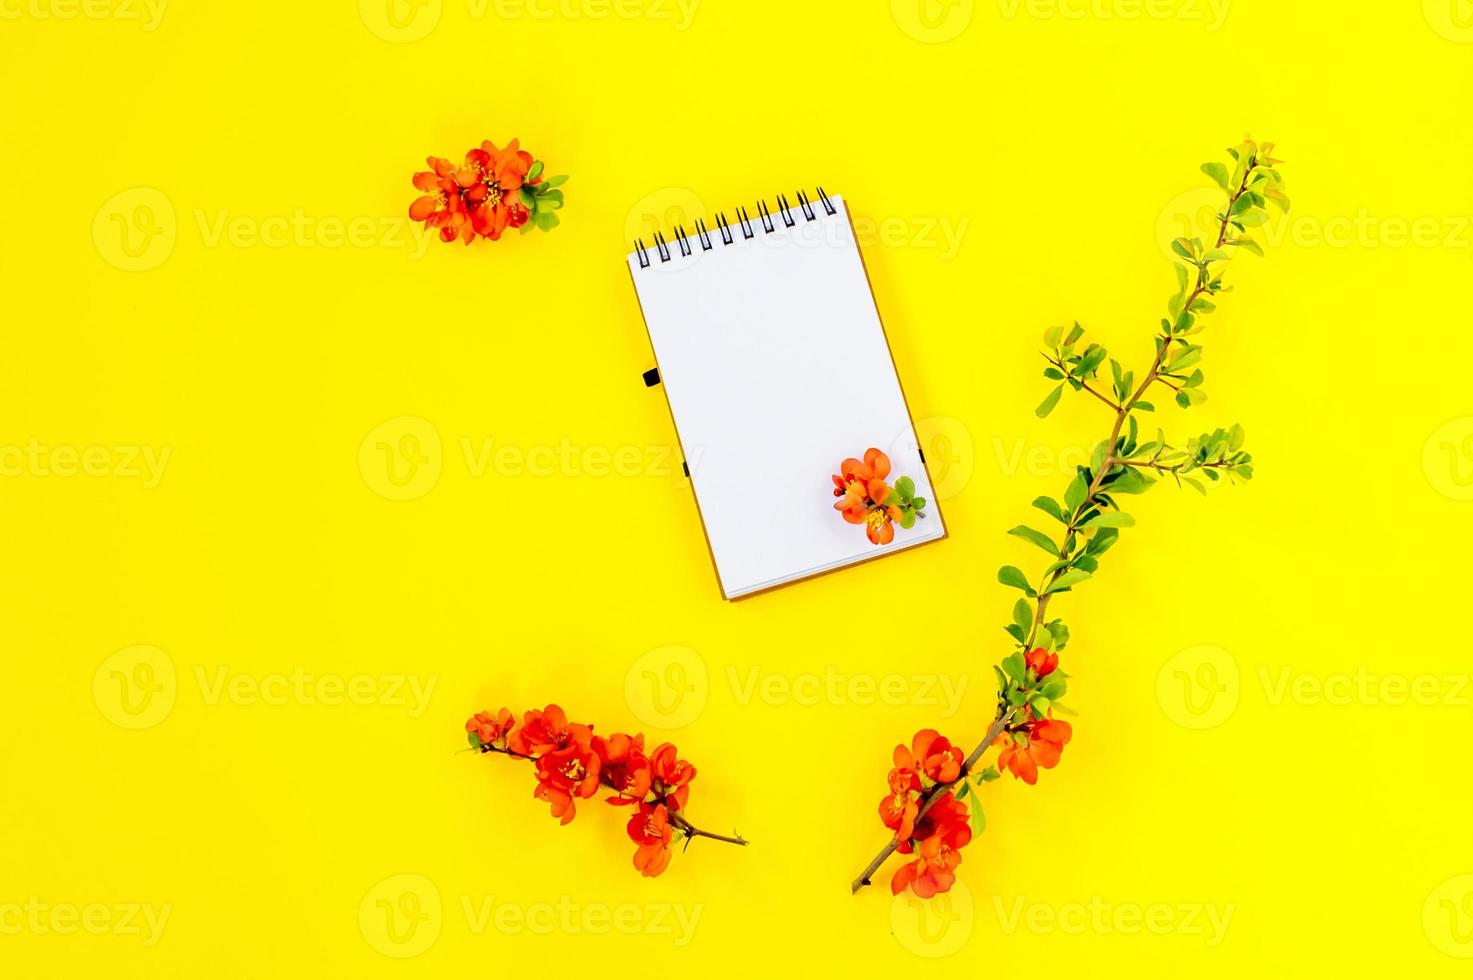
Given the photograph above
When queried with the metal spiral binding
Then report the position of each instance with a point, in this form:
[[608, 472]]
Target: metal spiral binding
[[785, 212]]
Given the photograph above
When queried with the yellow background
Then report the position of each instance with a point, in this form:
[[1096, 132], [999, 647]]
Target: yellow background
[[176, 192]]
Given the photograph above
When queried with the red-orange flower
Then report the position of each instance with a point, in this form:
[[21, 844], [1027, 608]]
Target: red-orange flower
[[441, 205], [933, 754], [672, 776], [942, 833], [650, 829], [1041, 662], [491, 730], [546, 731], [1033, 745], [493, 197], [565, 775], [898, 809], [862, 491], [624, 768]]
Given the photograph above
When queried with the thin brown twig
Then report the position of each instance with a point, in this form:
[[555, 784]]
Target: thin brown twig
[[1083, 384]]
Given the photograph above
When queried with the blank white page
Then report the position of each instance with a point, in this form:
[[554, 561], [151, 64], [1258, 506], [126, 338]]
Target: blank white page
[[776, 366]]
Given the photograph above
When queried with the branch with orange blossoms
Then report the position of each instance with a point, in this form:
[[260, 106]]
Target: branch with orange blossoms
[[932, 806], [571, 763]]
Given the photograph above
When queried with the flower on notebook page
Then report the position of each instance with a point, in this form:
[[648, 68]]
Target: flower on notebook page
[[865, 498], [492, 190]]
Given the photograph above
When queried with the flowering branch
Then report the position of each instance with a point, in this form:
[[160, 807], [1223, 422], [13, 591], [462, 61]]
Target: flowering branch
[[572, 763], [930, 780], [491, 191]]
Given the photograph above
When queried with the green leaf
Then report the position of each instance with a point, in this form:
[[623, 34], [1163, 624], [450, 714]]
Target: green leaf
[[1133, 480], [1074, 495], [1069, 578], [1051, 507], [906, 486], [1188, 397], [907, 518], [1013, 576], [1186, 359], [1183, 248], [1016, 667], [535, 172], [1052, 337], [1023, 614], [1250, 245], [1217, 172], [528, 198], [1035, 537], [557, 181], [1047, 405], [979, 820], [919, 503], [1110, 518], [546, 220]]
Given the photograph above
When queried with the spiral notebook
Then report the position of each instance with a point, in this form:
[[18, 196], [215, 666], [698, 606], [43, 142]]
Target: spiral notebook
[[770, 351]]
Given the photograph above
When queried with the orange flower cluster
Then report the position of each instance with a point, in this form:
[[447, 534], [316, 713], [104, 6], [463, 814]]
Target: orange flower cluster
[[491, 191], [937, 837], [931, 765], [865, 498], [1037, 742], [572, 764]]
